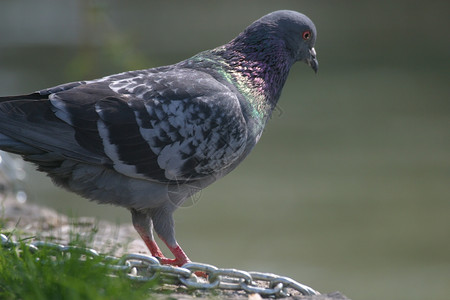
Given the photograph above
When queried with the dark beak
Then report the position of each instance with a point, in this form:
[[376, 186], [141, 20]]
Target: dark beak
[[312, 61]]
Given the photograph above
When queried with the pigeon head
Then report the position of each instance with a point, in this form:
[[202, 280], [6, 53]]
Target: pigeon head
[[288, 36], [260, 57]]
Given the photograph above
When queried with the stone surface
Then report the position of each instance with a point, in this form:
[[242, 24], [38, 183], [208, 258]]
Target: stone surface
[[30, 220]]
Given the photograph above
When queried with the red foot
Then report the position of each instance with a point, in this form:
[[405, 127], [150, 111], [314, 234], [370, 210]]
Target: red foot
[[180, 257], [171, 261], [177, 263], [201, 274]]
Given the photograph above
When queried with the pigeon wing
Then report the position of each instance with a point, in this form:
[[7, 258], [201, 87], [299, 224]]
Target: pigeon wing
[[169, 126]]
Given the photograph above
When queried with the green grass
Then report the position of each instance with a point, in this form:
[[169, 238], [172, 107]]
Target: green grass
[[49, 274]]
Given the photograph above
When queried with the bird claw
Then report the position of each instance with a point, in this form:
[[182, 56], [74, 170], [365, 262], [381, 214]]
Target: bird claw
[[171, 261], [178, 263], [201, 274]]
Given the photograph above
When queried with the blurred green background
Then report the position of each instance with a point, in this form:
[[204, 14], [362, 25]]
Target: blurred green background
[[349, 186]]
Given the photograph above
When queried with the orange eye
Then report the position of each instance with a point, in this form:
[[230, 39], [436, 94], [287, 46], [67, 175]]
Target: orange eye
[[306, 35]]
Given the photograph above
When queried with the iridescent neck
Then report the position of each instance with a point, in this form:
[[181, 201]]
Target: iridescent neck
[[259, 75]]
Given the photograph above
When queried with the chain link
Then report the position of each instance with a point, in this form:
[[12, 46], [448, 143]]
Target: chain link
[[140, 267]]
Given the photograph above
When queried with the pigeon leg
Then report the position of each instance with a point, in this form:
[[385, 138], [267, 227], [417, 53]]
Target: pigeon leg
[[164, 227], [142, 222], [180, 257]]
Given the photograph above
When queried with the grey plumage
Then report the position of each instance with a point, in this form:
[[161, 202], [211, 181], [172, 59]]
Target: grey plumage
[[148, 139]]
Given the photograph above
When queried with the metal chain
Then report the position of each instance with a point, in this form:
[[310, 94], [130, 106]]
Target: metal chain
[[140, 267]]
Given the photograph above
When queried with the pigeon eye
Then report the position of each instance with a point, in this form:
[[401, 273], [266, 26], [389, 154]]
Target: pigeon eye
[[306, 35]]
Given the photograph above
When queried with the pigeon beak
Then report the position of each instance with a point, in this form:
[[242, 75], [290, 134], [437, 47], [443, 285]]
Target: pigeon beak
[[312, 61]]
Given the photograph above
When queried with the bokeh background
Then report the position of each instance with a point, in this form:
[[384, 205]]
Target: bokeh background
[[349, 186]]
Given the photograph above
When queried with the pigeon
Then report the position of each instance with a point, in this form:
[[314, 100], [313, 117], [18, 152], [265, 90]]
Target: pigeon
[[149, 139]]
